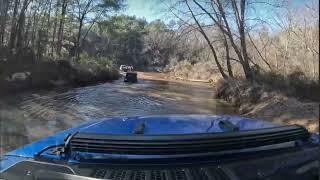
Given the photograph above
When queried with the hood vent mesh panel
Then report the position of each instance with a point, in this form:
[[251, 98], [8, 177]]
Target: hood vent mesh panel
[[172, 174]]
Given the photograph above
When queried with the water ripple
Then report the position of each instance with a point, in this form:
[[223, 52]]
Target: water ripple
[[27, 117]]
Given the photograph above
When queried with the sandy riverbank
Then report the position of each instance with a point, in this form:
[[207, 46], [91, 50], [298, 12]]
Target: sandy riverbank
[[255, 101]]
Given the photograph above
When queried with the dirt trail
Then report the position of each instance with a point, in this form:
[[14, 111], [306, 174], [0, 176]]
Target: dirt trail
[[166, 77], [153, 76]]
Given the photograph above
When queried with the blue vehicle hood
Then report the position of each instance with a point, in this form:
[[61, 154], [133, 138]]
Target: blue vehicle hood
[[173, 124], [156, 125]]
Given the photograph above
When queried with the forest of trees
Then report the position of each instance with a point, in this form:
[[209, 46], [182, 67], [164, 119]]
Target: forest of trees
[[49, 26], [234, 31], [236, 37], [77, 30]]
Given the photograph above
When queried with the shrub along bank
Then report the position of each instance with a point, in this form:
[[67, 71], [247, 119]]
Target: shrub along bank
[[19, 72], [291, 99], [259, 101]]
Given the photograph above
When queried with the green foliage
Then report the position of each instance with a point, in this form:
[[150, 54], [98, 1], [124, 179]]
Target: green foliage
[[94, 63], [126, 35], [121, 25], [156, 25], [114, 4]]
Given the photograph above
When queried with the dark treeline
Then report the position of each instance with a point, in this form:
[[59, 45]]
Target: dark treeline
[[41, 42], [70, 28], [204, 37], [81, 31], [51, 27], [76, 42]]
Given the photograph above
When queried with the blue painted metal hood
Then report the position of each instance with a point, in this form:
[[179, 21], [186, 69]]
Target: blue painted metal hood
[[172, 124], [154, 125], [176, 149], [164, 124]]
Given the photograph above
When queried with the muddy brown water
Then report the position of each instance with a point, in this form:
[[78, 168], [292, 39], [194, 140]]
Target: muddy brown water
[[33, 115]]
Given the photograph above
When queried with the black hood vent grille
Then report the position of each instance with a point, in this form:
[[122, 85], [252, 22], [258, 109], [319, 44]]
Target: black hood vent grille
[[185, 144], [162, 174]]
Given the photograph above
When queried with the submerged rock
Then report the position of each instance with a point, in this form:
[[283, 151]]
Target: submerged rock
[[59, 82], [19, 76]]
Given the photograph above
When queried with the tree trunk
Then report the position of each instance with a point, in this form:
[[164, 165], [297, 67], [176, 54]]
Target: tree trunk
[[26, 33], [225, 42], [218, 21], [61, 26], [208, 41], [48, 26], [13, 33], [78, 43], [247, 68], [20, 30], [243, 56], [34, 30], [40, 46], [229, 67], [21, 23], [55, 28], [259, 53], [82, 13], [4, 6]]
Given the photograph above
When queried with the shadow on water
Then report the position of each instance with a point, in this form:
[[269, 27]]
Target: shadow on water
[[29, 116]]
